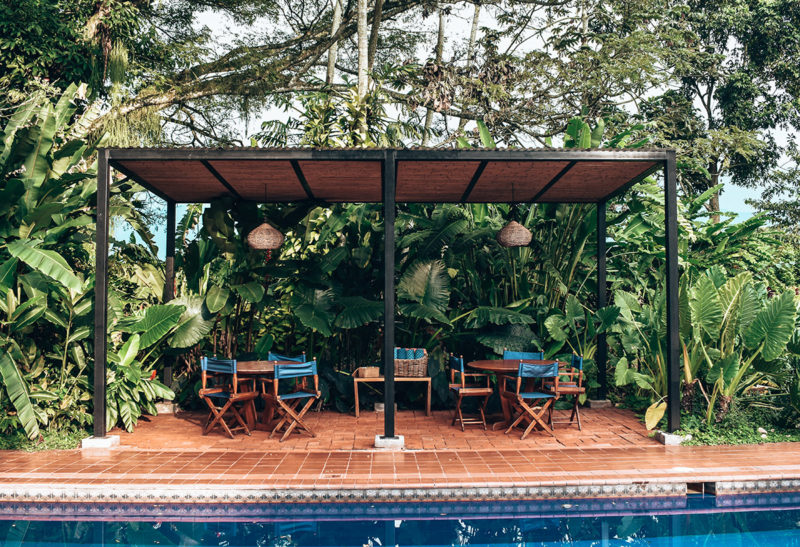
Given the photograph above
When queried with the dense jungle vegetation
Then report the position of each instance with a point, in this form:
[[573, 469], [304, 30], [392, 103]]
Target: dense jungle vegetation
[[717, 80]]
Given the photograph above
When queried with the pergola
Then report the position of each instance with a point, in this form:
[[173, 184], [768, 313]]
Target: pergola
[[390, 176]]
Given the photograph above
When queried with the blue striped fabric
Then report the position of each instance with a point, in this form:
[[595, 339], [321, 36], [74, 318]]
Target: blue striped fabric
[[212, 364], [278, 357], [296, 371], [457, 363], [527, 370], [514, 355]]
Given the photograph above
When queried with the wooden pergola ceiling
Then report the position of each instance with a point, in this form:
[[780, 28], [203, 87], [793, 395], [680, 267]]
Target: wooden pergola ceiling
[[351, 175]]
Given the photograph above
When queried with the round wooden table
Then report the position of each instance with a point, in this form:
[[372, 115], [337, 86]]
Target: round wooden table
[[505, 366], [255, 369]]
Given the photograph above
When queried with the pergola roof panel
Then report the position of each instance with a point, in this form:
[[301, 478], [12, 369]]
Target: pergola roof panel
[[434, 181], [343, 181], [593, 181], [259, 180], [355, 175], [514, 180]]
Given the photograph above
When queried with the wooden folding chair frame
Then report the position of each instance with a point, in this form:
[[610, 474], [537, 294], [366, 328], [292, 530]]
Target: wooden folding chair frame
[[216, 415], [528, 411], [288, 404], [462, 390], [573, 386]]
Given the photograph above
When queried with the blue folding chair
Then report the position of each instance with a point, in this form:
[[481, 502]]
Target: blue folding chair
[[532, 405], [520, 355], [266, 384], [461, 389], [570, 383], [287, 402], [220, 391]]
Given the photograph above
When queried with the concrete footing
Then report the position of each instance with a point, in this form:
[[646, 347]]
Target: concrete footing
[[599, 403], [390, 443], [109, 441]]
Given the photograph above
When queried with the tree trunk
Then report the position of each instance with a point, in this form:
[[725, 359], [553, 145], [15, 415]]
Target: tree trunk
[[438, 60], [362, 48], [473, 37], [723, 407], [373, 36], [335, 24], [687, 399], [713, 203]]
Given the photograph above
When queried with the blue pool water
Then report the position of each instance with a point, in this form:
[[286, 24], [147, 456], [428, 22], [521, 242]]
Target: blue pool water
[[686, 522]]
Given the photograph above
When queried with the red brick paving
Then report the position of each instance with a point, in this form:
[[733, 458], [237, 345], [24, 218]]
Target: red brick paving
[[613, 448]]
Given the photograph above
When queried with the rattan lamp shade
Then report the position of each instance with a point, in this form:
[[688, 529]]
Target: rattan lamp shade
[[514, 234], [265, 238]]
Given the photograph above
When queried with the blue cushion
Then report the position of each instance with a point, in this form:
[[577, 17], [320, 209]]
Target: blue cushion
[[297, 395], [419, 354], [400, 353], [535, 395]]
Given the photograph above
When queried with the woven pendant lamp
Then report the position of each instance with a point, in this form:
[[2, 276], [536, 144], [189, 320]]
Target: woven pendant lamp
[[265, 237], [514, 234]]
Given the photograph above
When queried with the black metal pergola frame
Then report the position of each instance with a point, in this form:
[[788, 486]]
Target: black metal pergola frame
[[389, 158]]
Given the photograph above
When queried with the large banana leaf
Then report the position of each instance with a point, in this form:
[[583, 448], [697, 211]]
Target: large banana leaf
[[28, 312], [252, 291], [50, 263], [37, 141], [486, 315], [706, 308], [358, 311], [730, 297], [773, 325], [427, 284], [157, 322], [193, 324], [17, 391], [216, 298], [8, 273], [312, 308]]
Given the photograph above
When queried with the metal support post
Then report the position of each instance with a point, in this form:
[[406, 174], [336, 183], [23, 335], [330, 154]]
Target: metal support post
[[673, 319], [602, 301], [389, 182], [169, 278], [101, 292]]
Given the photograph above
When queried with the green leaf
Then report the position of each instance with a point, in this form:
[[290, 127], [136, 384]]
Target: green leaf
[[39, 139], [312, 307], [358, 311], [491, 315], [774, 324], [585, 140], [28, 313], [8, 275], [427, 284], [706, 309], [193, 324], [128, 351], [216, 298], [157, 322], [486, 138], [50, 263], [654, 413], [597, 133], [263, 346], [17, 391], [621, 372], [573, 310], [251, 292], [556, 326]]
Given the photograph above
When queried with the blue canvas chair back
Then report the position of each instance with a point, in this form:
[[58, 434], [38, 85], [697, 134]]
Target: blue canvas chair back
[[409, 353], [223, 366], [296, 371], [457, 364], [577, 362], [278, 357], [529, 370], [515, 355]]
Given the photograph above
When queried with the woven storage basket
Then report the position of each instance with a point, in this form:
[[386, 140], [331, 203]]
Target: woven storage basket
[[514, 234], [412, 367], [265, 237], [368, 372]]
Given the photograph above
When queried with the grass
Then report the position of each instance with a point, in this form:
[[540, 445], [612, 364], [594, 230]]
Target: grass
[[49, 440]]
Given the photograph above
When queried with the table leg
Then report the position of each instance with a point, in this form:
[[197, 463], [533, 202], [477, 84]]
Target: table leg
[[355, 391], [428, 400]]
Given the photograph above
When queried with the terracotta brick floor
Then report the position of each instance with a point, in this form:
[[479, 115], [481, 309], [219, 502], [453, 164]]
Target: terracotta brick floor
[[604, 428], [613, 448]]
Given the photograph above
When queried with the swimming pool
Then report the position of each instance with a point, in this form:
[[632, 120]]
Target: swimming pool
[[762, 520]]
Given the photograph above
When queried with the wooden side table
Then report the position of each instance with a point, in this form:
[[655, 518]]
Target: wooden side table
[[427, 379]]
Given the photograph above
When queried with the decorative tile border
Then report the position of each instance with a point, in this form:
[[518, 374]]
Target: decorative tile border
[[728, 488], [243, 494]]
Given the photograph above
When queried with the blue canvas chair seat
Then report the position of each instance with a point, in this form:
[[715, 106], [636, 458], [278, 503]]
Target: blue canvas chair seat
[[220, 390], [531, 404], [461, 389], [288, 402], [570, 383]]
